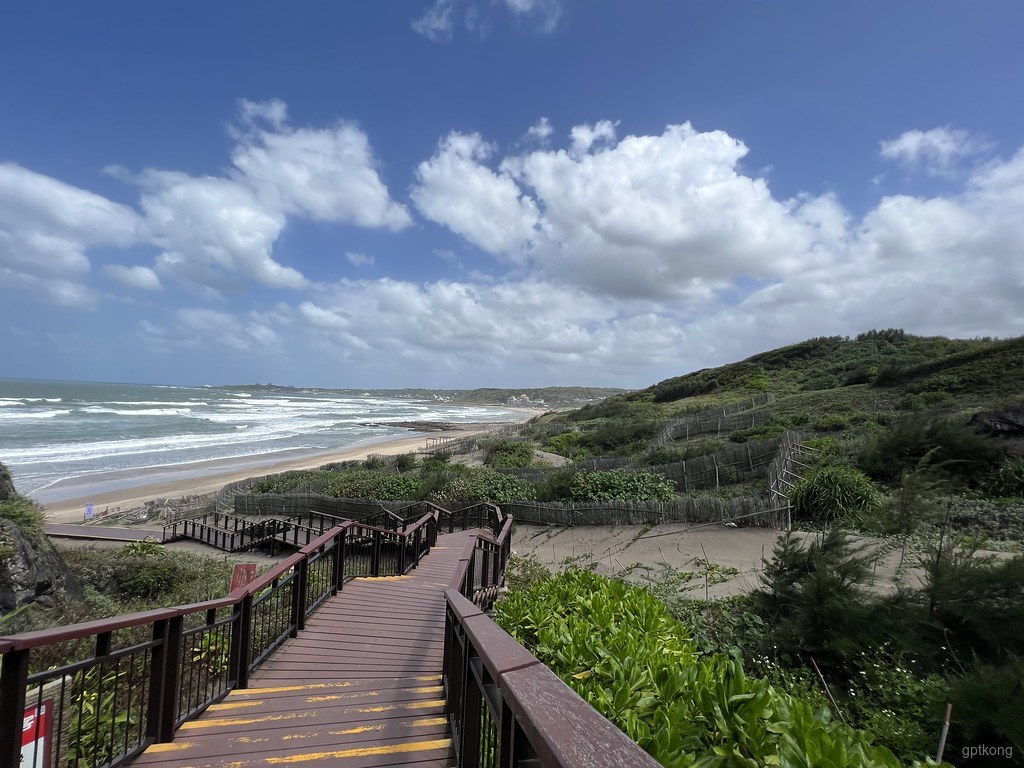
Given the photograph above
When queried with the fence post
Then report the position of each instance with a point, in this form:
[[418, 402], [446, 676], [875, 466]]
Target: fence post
[[13, 679]]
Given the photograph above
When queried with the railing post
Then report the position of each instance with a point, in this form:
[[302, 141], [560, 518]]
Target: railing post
[[163, 679], [375, 556], [416, 541], [338, 563], [241, 641], [403, 545], [13, 679], [299, 587]]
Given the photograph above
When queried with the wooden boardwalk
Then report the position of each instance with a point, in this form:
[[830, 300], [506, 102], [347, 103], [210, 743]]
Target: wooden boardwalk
[[360, 686]]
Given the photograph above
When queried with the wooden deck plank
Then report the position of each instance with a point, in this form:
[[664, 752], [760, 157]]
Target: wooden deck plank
[[360, 687]]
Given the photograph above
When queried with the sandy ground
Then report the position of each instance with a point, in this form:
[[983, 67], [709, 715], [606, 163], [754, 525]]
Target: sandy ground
[[209, 477], [676, 547]]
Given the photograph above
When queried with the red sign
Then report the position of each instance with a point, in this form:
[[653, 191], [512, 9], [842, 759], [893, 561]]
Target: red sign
[[36, 733], [242, 574]]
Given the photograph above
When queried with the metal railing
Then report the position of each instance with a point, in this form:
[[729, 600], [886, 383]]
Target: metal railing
[[132, 680], [505, 707]]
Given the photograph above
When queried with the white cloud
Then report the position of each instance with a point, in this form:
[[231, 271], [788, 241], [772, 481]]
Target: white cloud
[[214, 231], [219, 232], [655, 217], [541, 131], [141, 278], [359, 259], [46, 230], [937, 151], [436, 23], [545, 13], [324, 174], [455, 189], [585, 137], [243, 334]]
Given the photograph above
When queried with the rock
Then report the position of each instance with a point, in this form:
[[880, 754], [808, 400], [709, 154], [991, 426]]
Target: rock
[[1008, 422], [31, 570], [6, 484]]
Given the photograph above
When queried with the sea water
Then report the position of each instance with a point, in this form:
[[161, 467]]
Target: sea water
[[65, 439]]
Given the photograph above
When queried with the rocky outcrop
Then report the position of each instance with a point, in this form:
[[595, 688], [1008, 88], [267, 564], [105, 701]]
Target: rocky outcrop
[[31, 570], [6, 484], [1008, 422]]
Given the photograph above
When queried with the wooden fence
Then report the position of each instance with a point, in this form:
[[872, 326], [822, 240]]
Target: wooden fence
[[785, 470], [734, 464], [742, 511]]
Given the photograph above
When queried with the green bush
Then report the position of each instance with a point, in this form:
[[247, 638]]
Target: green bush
[[953, 450], [507, 453], [620, 485], [463, 484], [618, 648], [832, 492], [25, 513], [1008, 479]]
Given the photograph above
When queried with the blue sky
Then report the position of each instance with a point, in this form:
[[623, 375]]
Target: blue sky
[[516, 193]]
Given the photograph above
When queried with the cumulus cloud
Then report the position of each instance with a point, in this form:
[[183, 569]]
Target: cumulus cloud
[[936, 151], [218, 232], [326, 174], [141, 278], [585, 137], [456, 189], [46, 230], [656, 217]]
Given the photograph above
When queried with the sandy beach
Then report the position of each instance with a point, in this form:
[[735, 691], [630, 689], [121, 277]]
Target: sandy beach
[[209, 477]]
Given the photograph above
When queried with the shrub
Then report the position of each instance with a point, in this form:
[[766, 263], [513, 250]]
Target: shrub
[[507, 453], [955, 451], [831, 422], [1008, 479], [832, 492], [405, 462], [620, 485], [465, 484], [618, 648], [25, 513]]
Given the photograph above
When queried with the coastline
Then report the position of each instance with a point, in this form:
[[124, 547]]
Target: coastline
[[203, 478]]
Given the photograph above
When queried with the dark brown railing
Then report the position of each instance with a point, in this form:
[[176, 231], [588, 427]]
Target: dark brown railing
[[506, 708], [134, 679]]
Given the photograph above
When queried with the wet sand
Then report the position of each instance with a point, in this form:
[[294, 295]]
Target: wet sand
[[209, 477]]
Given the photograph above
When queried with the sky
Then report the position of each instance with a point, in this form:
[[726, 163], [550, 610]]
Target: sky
[[507, 193]]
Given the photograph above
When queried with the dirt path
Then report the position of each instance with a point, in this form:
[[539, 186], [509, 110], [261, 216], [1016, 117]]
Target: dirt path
[[643, 554]]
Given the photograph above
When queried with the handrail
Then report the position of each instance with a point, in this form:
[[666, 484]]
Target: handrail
[[504, 706], [144, 674]]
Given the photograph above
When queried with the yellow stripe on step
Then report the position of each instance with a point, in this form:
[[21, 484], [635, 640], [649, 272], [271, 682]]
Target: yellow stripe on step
[[170, 746], [390, 749]]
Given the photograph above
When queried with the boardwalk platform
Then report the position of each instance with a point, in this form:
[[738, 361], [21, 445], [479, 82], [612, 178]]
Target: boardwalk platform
[[360, 686], [101, 533]]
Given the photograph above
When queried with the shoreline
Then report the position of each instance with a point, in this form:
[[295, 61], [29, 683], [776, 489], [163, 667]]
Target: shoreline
[[202, 478]]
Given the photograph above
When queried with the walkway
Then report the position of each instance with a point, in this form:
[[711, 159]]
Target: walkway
[[359, 687], [62, 530]]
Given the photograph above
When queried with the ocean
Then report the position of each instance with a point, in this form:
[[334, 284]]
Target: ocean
[[67, 439]]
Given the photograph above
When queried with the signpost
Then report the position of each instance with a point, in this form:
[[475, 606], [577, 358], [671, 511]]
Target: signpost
[[36, 733], [242, 574]]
